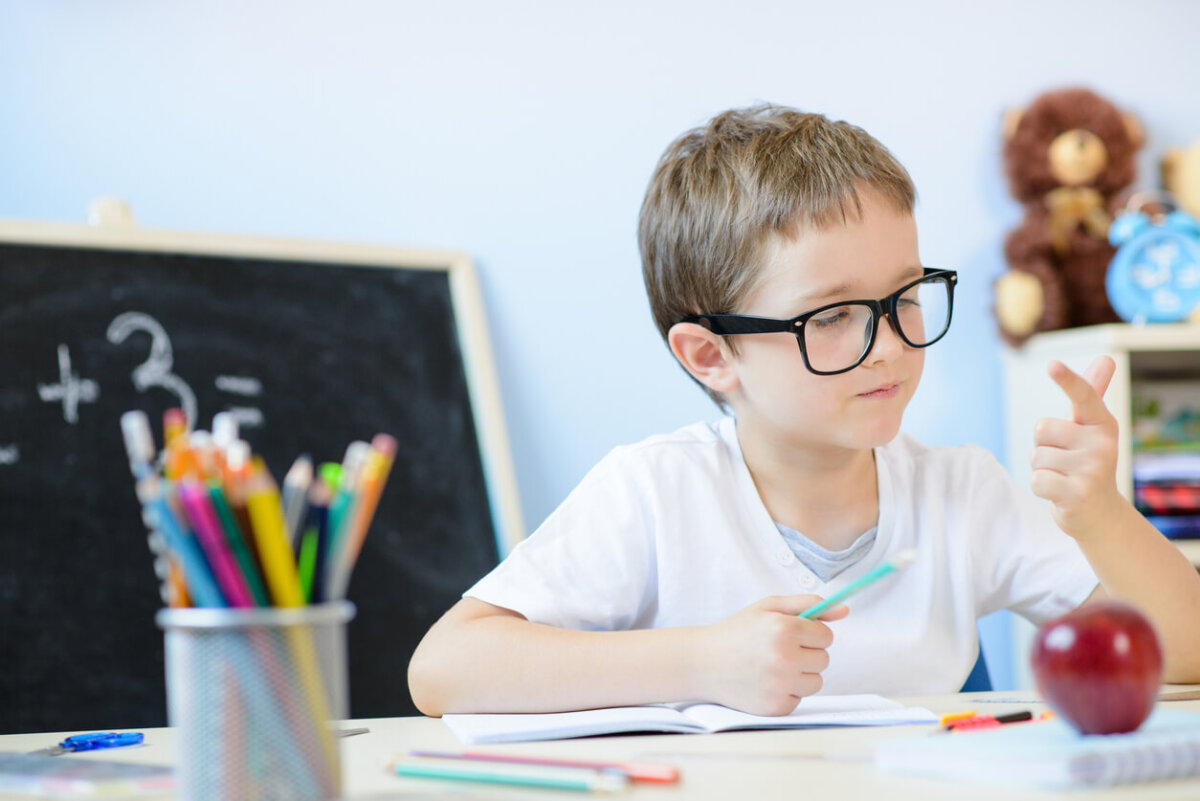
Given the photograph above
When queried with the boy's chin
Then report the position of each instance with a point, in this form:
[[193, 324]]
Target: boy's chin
[[876, 436]]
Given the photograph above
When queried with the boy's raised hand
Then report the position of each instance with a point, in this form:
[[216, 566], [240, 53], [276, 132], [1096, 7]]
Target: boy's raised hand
[[764, 658], [1074, 461]]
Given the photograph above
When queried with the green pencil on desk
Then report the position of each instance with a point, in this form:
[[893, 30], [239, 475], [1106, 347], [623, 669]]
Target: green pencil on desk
[[900, 560], [551, 778]]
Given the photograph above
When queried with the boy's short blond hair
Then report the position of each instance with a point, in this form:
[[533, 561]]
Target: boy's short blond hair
[[721, 190]]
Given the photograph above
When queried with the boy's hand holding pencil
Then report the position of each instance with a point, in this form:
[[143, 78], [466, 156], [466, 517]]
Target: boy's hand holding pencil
[[766, 657]]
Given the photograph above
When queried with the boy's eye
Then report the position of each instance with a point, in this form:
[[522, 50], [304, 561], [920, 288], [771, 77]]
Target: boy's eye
[[910, 299], [831, 317]]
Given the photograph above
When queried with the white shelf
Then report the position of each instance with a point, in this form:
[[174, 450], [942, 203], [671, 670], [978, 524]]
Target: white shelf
[[1116, 337], [1191, 549]]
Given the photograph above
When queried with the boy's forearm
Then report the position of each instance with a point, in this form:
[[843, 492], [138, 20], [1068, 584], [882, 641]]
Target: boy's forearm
[[507, 664], [1135, 562]]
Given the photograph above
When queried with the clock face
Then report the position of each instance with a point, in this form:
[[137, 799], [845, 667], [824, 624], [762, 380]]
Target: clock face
[[1155, 277]]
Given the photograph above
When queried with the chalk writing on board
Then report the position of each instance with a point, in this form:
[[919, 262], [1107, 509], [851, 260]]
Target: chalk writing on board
[[156, 370], [10, 454], [246, 416], [246, 386], [239, 385], [71, 390]]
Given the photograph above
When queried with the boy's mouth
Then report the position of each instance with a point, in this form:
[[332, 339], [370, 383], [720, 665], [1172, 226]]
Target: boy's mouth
[[885, 391]]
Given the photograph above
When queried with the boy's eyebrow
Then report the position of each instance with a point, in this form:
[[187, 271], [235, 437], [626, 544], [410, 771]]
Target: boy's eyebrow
[[827, 293], [843, 288], [912, 273]]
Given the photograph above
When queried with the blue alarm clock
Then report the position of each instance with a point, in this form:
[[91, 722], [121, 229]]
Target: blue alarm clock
[[1155, 275]]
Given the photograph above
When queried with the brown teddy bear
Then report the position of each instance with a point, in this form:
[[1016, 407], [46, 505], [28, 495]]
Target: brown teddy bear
[[1181, 176], [1180, 168], [1068, 155]]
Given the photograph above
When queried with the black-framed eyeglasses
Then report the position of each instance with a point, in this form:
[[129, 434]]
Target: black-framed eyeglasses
[[837, 338]]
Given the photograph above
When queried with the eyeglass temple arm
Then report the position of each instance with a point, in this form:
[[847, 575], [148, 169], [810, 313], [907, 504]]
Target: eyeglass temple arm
[[729, 324]]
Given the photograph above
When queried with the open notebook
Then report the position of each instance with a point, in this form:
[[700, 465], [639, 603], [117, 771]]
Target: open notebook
[[817, 710], [1052, 754]]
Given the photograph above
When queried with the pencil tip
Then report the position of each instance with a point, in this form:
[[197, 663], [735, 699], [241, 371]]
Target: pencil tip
[[385, 444]]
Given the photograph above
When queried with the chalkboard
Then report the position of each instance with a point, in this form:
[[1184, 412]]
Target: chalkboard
[[311, 346]]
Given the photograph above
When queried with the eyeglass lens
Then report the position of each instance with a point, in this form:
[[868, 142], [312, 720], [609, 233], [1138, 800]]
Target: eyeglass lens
[[839, 337]]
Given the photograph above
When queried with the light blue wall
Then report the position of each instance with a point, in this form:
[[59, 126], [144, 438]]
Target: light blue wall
[[524, 133]]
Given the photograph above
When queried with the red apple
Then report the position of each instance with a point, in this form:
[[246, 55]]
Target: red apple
[[1099, 667]]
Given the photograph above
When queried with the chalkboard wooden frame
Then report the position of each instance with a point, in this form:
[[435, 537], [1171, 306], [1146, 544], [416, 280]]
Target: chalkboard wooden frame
[[470, 326]]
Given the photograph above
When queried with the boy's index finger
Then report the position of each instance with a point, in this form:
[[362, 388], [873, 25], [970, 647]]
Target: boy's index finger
[[1099, 373], [1086, 394]]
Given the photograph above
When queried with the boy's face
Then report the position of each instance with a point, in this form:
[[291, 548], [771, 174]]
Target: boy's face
[[776, 397]]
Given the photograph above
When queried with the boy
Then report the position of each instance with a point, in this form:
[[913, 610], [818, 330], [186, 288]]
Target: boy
[[780, 256]]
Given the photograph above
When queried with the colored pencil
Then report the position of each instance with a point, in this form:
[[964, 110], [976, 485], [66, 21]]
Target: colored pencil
[[341, 509], [897, 562], [283, 585], [543, 776], [238, 545], [655, 772], [270, 534], [318, 506], [294, 495], [371, 481], [194, 497]]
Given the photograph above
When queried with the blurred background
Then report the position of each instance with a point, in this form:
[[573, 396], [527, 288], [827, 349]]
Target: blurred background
[[524, 133]]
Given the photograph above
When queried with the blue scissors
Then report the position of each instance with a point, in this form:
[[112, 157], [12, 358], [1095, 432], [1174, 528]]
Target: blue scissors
[[92, 742]]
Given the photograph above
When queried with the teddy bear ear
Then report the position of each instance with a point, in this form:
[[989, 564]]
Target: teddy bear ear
[[1133, 127], [1168, 167], [1012, 118]]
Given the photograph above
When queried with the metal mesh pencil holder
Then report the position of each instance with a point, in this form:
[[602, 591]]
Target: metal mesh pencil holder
[[252, 693]]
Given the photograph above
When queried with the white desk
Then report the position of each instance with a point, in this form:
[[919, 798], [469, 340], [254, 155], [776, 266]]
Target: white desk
[[806, 765]]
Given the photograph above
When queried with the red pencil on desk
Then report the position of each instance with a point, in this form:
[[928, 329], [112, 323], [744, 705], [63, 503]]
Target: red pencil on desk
[[636, 771]]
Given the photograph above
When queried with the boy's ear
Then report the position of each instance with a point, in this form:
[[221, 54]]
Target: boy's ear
[[703, 354]]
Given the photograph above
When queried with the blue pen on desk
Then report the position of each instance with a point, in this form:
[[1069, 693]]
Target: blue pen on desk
[[93, 742], [900, 560]]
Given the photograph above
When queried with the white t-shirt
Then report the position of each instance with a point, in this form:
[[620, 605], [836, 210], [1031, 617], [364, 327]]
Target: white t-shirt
[[671, 532]]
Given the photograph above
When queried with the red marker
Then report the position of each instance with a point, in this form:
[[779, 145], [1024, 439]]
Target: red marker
[[988, 721]]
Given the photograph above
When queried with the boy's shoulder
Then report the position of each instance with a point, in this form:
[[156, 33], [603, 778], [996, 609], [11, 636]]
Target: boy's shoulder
[[695, 455], [710, 443], [700, 434]]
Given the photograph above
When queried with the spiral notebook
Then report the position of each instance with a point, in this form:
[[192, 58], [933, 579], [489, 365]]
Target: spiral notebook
[[1051, 754]]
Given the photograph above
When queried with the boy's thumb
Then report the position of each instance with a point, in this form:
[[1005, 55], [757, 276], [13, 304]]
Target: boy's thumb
[[797, 604]]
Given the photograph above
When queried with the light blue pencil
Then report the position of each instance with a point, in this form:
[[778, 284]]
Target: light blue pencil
[[900, 560], [557, 778]]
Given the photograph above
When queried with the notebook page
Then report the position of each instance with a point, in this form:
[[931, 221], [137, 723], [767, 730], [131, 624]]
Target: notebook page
[[512, 728], [815, 710]]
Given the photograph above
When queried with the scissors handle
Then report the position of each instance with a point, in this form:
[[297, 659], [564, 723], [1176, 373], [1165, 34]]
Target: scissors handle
[[106, 739], [94, 742]]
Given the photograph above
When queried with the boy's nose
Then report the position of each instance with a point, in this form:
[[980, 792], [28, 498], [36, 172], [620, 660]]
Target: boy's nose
[[888, 345]]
